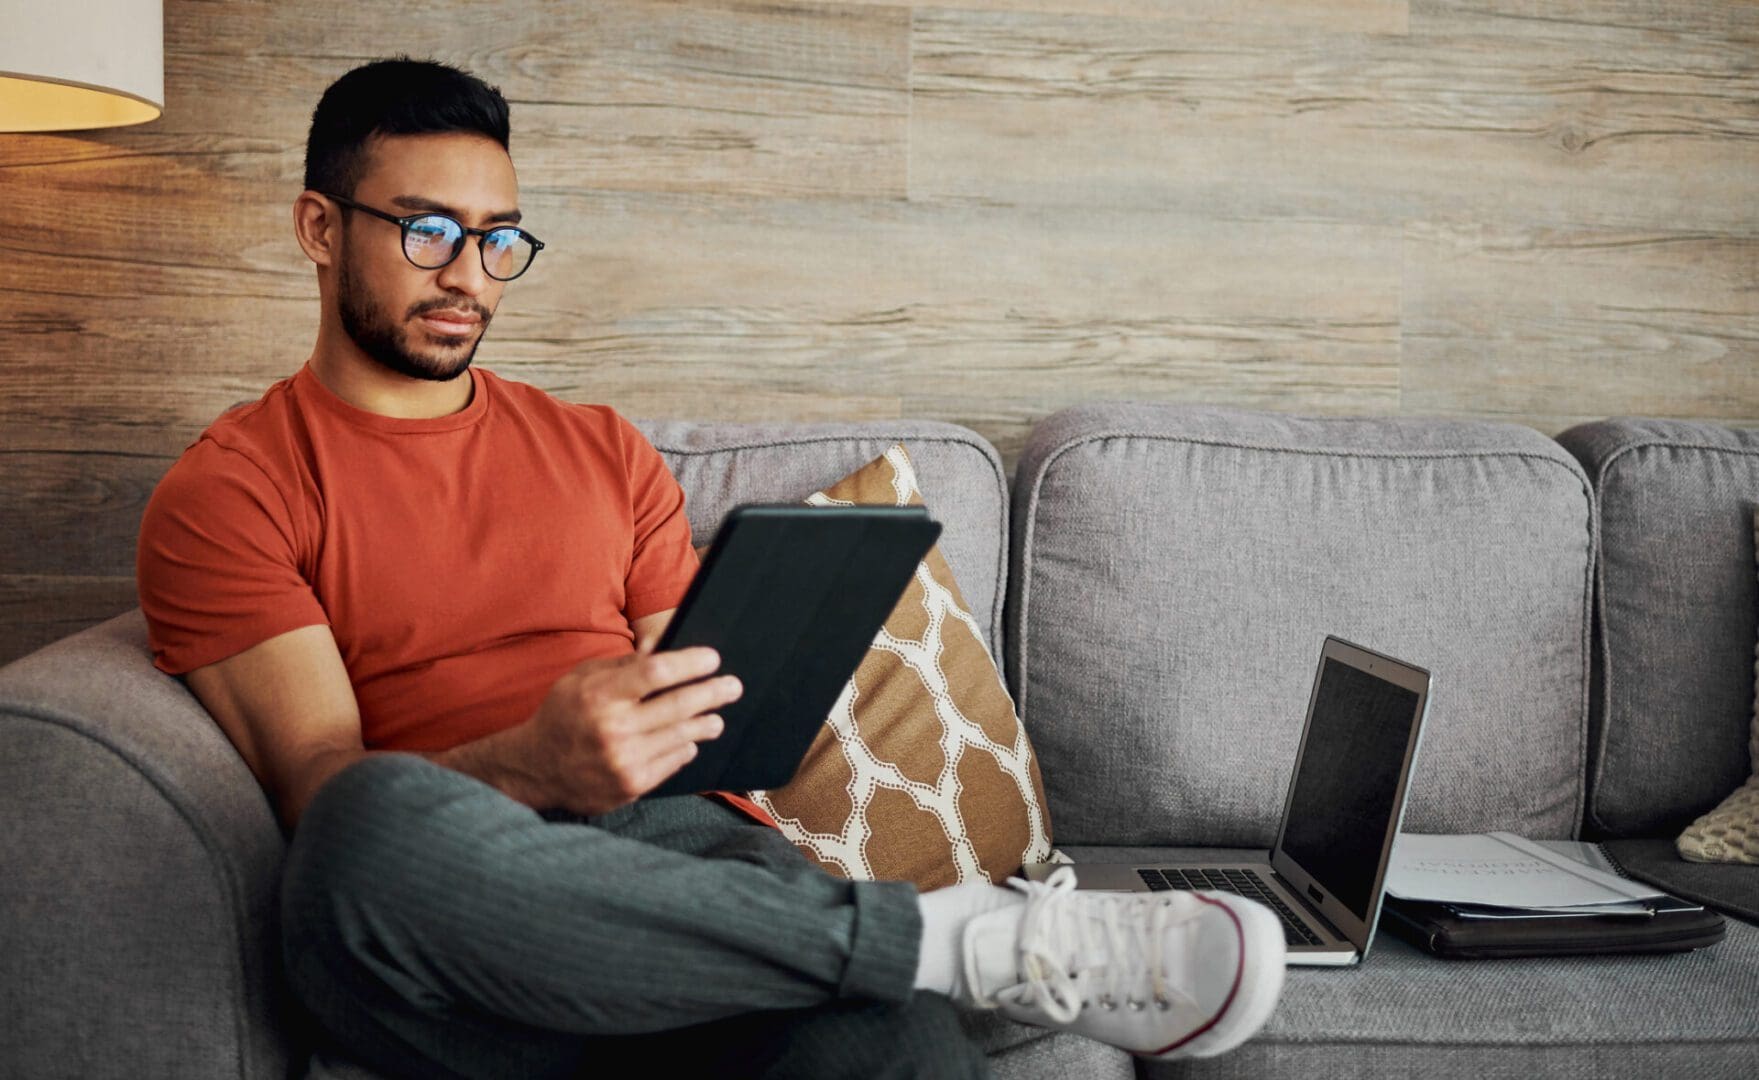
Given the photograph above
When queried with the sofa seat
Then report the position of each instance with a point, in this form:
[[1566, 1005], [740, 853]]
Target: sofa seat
[[1016, 1052], [1404, 1012]]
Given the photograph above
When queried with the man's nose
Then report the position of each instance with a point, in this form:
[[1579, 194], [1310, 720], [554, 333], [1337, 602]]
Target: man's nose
[[465, 274]]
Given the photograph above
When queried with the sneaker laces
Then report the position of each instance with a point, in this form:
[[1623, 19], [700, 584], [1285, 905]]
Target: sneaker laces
[[1112, 942]]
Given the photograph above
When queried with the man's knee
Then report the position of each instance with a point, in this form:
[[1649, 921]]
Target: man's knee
[[369, 834], [339, 842], [361, 835], [375, 787]]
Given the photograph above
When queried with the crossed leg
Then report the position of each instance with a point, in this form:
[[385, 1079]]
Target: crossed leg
[[434, 927]]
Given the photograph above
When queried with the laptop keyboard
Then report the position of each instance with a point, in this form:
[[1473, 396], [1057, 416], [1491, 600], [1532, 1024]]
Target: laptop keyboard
[[1239, 882]]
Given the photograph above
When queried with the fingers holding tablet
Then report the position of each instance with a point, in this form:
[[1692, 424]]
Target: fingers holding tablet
[[689, 700], [654, 675], [614, 727], [665, 747]]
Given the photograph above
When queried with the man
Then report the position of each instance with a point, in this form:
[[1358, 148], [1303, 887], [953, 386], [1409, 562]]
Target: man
[[422, 601]]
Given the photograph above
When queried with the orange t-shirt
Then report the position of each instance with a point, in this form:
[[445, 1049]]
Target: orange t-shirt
[[463, 563]]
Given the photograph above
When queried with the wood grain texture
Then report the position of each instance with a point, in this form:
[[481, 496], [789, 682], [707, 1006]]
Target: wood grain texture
[[1510, 322], [1363, 16], [37, 610], [1727, 20], [761, 99], [1540, 212], [73, 513], [1508, 120]]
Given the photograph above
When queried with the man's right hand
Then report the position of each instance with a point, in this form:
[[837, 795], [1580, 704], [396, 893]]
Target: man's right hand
[[611, 729]]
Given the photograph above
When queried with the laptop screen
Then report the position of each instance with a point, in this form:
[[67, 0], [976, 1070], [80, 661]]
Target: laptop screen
[[1348, 781]]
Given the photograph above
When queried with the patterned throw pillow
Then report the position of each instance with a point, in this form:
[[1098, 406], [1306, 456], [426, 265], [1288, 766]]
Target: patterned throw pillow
[[1730, 833], [922, 772]]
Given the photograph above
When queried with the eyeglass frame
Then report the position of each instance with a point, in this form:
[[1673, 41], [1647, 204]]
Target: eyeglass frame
[[464, 236]]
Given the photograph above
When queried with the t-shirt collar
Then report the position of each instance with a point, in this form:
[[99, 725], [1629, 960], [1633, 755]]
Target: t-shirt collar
[[312, 392]]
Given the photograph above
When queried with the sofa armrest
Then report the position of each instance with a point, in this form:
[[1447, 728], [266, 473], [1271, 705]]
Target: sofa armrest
[[139, 869]]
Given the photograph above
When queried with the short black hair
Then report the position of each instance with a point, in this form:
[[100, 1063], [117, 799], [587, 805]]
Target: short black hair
[[398, 96]]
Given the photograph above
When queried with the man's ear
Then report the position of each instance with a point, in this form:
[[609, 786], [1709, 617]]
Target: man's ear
[[317, 225]]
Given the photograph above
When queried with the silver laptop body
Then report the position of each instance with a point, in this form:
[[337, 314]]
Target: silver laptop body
[[1327, 871]]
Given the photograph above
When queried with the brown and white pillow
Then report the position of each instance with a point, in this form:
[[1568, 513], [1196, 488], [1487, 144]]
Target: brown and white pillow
[[923, 772], [1730, 833]]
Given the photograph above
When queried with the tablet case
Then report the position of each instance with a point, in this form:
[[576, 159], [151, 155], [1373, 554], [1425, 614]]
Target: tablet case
[[791, 596]]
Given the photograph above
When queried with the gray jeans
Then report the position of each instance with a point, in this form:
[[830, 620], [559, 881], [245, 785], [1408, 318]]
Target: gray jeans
[[434, 927]]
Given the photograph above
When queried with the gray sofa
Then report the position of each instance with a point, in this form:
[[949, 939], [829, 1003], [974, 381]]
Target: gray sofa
[[1157, 581]]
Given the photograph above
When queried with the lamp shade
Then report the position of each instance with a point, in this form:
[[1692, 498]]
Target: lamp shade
[[66, 65]]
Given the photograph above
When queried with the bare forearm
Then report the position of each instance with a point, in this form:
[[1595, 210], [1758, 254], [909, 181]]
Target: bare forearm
[[503, 761], [499, 760], [609, 730]]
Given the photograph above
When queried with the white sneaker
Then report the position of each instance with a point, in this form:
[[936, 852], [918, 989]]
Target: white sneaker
[[1162, 975]]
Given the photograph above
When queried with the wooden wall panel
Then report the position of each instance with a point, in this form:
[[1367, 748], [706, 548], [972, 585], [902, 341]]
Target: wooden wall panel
[[1728, 20], [637, 94], [1558, 327], [1507, 121], [984, 211], [918, 300], [1366, 16], [37, 610]]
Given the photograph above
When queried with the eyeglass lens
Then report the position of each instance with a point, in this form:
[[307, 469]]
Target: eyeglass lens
[[433, 240]]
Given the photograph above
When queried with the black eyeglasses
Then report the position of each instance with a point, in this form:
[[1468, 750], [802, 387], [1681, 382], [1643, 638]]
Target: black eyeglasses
[[432, 240]]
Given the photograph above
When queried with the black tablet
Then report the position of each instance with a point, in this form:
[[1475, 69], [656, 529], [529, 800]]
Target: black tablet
[[791, 596]]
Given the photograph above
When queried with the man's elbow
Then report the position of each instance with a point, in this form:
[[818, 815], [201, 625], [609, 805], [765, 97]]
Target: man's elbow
[[295, 791]]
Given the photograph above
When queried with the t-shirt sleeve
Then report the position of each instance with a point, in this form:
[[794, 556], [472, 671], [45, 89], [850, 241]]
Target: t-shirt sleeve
[[216, 565], [663, 561]]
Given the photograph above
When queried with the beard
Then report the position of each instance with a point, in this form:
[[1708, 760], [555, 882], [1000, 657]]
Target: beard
[[389, 344]]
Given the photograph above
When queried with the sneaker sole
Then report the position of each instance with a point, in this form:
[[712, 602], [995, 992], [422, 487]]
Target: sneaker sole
[[1258, 987]]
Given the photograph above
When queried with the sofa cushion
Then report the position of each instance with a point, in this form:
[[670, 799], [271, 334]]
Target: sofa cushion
[[1177, 569], [922, 771], [1403, 1012], [1676, 605], [1061, 1056], [1730, 832], [721, 465]]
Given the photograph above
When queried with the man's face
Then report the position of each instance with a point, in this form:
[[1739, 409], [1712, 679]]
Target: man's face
[[386, 302]]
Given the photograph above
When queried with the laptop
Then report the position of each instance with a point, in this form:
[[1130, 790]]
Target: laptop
[[1327, 871]]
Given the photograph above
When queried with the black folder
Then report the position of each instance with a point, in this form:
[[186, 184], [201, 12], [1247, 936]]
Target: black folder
[[1464, 932]]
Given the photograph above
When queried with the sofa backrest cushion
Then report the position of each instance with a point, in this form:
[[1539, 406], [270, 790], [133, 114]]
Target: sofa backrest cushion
[[721, 465], [1676, 607], [1177, 570]]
